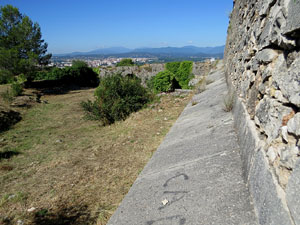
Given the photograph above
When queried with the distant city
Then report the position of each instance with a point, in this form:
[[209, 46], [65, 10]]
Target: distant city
[[111, 56], [62, 62]]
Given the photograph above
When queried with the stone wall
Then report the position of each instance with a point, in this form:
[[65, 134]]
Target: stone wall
[[262, 65], [146, 71], [143, 72]]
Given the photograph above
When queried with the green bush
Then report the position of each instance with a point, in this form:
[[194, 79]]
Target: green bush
[[184, 74], [125, 62], [150, 83], [79, 73], [173, 67], [16, 89], [5, 77], [116, 98], [163, 81]]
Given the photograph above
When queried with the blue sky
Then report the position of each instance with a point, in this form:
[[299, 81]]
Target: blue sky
[[84, 25]]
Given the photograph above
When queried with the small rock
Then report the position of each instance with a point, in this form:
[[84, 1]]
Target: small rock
[[20, 222], [31, 209], [165, 118], [271, 154], [278, 95], [289, 156], [293, 125], [164, 202], [11, 197], [58, 141], [284, 133], [22, 101]]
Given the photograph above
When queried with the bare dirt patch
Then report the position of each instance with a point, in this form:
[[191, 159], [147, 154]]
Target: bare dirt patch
[[72, 171]]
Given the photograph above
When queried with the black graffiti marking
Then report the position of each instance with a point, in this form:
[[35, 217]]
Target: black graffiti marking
[[181, 220], [186, 177]]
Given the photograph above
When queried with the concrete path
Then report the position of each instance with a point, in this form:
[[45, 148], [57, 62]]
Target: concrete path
[[195, 176]]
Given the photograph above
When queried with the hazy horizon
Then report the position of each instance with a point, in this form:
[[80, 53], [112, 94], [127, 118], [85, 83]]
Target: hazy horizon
[[143, 47]]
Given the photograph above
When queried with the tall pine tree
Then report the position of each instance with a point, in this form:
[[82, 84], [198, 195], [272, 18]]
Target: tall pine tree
[[22, 49]]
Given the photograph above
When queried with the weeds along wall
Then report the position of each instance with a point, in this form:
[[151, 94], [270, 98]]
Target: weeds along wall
[[262, 64]]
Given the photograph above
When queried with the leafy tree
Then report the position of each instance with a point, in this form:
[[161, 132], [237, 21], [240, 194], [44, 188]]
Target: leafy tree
[[22, 49], [125, 62]]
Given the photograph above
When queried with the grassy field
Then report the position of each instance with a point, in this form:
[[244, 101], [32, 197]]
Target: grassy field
[[58, 168]]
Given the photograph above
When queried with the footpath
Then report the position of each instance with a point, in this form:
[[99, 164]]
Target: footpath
[[195, 176]]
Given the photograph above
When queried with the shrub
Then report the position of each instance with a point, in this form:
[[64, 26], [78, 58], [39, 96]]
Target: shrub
[[173, 67], [5, 77], [97, 70], [201, 85], [79, 73], [116, 98], [16, 89], [150, 83], [6, 95], [228, 102], [184, 74], [125, 62], [163, 81], [91, 109]]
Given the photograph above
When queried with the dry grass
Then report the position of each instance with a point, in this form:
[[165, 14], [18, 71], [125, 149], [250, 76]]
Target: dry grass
[[73, 171], [201, 86], [228, 102]]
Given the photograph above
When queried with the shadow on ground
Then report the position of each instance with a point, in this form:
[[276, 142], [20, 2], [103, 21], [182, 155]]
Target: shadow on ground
[[8, 154], [54, 87], [65, 216]]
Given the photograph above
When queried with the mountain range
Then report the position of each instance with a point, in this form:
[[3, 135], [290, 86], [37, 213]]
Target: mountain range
[[150, 52]]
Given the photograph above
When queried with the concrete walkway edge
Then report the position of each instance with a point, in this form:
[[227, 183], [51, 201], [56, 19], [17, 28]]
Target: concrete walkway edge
[[195, 176]]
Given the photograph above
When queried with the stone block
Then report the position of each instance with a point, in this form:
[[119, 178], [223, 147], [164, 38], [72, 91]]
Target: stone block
[[264, 192], [288, 78], [293, 125], [292, 193], [270, 114], [248, 142], [293, 19], [266, 55]]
